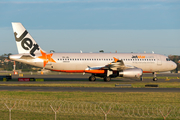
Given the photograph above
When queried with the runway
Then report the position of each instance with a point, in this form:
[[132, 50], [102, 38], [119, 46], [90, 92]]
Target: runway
[[88, 89], [75, 78], [83, 79]]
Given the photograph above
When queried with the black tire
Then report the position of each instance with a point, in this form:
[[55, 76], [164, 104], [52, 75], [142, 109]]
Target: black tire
[[107, 79], [92, 78]]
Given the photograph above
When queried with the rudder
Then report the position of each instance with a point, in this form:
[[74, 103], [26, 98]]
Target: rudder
[[25, 43]]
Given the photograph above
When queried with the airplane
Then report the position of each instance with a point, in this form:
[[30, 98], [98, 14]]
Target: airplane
[[104, 65]]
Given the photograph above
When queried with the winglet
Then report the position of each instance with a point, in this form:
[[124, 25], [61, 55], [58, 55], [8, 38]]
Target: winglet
[[115, 59]]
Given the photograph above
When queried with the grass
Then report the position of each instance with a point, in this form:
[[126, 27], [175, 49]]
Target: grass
[[143, 98], [125, 98], [128, 98]]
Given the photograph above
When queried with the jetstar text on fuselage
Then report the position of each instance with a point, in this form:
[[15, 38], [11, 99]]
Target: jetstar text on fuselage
[[138, 56]]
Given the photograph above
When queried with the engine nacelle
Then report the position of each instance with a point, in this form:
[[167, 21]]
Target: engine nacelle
[[131, 72]]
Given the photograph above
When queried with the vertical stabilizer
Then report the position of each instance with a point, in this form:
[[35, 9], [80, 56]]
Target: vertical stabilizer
[[25, 43]]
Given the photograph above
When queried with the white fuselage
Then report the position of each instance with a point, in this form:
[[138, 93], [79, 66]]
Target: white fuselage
[[78, 62]]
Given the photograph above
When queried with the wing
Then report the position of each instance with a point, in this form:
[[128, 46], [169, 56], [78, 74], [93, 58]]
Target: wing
[[116, 65]]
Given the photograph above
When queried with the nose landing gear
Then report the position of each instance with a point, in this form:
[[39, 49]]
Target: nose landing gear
[[155, 78]]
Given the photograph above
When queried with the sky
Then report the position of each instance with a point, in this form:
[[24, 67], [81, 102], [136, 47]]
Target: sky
[[91, 25]]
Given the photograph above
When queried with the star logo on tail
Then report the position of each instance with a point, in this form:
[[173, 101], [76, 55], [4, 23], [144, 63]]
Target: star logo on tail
[[46, 57]]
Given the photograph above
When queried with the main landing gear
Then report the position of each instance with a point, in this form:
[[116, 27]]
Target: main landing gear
[[93, 78], [107, 79], [154, 78]]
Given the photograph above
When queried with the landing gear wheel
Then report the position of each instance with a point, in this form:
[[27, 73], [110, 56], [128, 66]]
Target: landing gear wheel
[[107, 79], [92, 78], [155, 79]]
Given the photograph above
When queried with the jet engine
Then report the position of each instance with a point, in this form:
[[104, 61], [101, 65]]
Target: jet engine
[[131, 72]]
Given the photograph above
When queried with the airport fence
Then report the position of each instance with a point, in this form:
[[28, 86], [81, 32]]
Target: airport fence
[[55, 110]]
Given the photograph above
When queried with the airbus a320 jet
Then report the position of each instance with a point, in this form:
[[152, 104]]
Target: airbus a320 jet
[[104, 65]]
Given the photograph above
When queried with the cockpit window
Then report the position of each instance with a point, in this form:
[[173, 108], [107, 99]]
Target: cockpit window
[[167, 59]]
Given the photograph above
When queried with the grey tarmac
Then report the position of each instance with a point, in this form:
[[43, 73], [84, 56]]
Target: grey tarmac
[[76, 78], [86, 89], [83, 79]]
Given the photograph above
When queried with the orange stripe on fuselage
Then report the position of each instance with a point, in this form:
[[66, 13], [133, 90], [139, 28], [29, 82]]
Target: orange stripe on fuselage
[[88, 71], [147, 72], [70, 71], [82, 71]]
